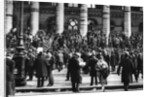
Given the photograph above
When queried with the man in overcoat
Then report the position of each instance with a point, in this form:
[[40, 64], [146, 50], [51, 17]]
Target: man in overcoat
[[41, 69], [74, 69], [127, 70], [93, 72], [10, 77]]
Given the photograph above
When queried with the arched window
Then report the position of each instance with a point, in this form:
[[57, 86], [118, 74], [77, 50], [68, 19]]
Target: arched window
[[112, 25], [51, 24], [91, 24]]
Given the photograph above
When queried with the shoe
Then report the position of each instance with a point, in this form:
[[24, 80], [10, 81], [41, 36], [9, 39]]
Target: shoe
[[49, 85], [37, 86], [77, 91], [67, 80]]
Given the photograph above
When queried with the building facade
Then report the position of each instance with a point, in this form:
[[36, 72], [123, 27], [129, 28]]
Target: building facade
[[57, 17]]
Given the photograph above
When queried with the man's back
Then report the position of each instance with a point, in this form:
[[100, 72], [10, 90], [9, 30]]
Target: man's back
[[41, 66], [92, 63]]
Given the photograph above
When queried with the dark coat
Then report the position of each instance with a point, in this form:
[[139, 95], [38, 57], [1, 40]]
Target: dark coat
[[50, 66], [41, 67], [74, 69], [140, 62], [92, 64], [10, 66], [134, 61], [10, 78], [127, 69], [113, 59]]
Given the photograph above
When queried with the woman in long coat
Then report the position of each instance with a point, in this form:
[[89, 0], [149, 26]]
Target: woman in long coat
[[51, 61], [127, 69], [41, 69], [102, 71]]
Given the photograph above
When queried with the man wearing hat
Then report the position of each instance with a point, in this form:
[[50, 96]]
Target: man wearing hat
[[74, 69], [92, 64], [127, 69]]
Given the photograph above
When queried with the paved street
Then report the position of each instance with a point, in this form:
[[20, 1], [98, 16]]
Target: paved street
[[62, 86], [70, 92]]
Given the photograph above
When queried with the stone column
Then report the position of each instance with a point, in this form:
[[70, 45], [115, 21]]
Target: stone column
[[127, 21], [34, 17], [9, 16], [60, 18], [84, 20], [106, 22]]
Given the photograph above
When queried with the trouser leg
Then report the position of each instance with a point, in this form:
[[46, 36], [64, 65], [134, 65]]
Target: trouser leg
[[126, 85], [73, 86], [136, 75], [42, 81], [92, 80], [31, 73], [103, 87], [95, 80], [11, 88], [77, 87], [68, 74], [38, 82], [51, 80]]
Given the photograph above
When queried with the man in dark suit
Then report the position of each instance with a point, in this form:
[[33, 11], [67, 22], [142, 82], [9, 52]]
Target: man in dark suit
[[41, 69], [10, 78], [127, 69], [93, 72], [74, 69]]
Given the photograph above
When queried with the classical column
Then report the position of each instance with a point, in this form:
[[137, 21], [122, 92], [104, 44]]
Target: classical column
[[34, 17], [83, 20], [127, 21], [9, 16], [60, 18], [106, 22]]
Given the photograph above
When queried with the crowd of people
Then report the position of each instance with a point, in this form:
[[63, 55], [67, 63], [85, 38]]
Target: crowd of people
[[70, 50]]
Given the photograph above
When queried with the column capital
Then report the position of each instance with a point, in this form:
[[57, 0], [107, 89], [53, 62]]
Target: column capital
[[127, 9], [34, 6]]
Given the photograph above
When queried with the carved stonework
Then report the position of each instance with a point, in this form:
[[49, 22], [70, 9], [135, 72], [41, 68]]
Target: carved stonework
[[137, 15], [48, 10], [72, 11], [116, 14]]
